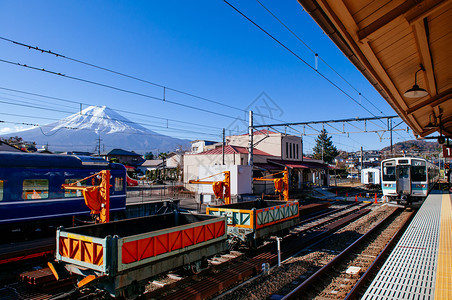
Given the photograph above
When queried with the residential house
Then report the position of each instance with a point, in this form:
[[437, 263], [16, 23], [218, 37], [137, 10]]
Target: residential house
[[124, 157], [7, 147], [150, 165], [199, 146]]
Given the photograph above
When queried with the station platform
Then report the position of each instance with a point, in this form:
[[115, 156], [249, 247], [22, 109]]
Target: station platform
[[420, 266]]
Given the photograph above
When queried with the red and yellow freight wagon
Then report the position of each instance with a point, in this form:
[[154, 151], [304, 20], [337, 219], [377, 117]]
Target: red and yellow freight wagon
[[253, 220], [119, 254]]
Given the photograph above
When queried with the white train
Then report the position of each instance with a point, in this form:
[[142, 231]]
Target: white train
[[408, 180]]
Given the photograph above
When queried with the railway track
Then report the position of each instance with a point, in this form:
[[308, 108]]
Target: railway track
[[213, 283], [225, 271], [320, 272], [337, 278]]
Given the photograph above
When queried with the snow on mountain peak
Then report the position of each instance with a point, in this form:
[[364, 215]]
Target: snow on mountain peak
[[99, 119], [85, 131]]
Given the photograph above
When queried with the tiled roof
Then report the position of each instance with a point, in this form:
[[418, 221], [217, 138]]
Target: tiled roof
[[7, 147], [122, 153], [305, 164], [152, 163], [233, 150]]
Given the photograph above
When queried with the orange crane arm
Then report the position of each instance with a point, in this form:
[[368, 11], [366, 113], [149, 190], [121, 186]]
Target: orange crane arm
[[97, 197], [284, 187], [200, 182], [218, 186]]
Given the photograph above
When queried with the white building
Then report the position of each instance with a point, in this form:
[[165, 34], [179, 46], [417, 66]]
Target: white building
[[286, 147], [233, 155], [370, 176], [273, 152], [199, 146]]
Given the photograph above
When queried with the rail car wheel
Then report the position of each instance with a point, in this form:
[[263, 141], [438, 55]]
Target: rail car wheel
[[200, 265], [195, 267], [132, 291], [251, 243], [233, 244]]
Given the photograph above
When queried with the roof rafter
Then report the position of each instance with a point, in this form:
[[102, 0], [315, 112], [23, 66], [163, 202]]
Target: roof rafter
[[434, 101], [420, 33], [384, 20]]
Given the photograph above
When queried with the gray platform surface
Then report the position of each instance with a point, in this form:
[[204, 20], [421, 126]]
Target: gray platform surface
[[410, 270]]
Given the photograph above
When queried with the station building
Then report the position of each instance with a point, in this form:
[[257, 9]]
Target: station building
[[273, 152]]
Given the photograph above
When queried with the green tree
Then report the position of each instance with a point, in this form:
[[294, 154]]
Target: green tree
[[163, 155], [149, 155], [324, 148]]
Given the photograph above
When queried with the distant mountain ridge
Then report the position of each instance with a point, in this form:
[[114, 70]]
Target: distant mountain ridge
[[414, 145], [82, 131]]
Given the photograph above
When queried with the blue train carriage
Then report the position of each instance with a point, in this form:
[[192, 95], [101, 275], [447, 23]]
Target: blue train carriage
[[31, 193], [252, 221], [408, 180]]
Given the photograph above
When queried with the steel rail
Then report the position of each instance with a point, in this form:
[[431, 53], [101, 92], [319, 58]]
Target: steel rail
[[294, 294], [353, 294], [240, 271]]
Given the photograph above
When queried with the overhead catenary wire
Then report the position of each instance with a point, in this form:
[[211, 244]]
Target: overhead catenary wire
[[87, 129], [130, 77], [123, 90], [114, 109], [100, 117], [299, 58], [50, 52], [120, 89], [317, 55]]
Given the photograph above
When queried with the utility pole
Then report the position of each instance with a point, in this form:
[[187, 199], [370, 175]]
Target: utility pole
[[302, 147], [250, 133], [98, 146], [323, 141], [390, 133], [362, 159], [222, 147]]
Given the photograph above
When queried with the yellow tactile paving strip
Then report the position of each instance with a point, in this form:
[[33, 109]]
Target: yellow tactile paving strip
[[443, 285]]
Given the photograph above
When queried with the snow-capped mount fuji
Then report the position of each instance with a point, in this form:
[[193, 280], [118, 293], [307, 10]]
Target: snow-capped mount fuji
[[82, 131], [100, 119]]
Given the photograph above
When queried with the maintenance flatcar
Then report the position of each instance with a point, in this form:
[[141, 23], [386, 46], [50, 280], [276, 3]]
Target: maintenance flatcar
[[252, 221], [408, 180], [31, 193], [120, 256]]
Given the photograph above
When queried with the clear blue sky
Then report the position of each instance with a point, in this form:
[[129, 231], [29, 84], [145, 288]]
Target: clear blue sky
[[203, 48]]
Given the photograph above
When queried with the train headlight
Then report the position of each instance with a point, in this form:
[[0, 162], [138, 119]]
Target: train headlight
[[420, 185], [388, 185]]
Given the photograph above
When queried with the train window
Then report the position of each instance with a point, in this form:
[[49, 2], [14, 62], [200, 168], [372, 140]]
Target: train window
[[119, 184], [35, 189], [418, 170], [403, 172], [73, 193], [1, 190], [388, 172]]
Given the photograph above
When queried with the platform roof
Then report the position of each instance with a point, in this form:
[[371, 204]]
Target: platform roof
[[388, 41]]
